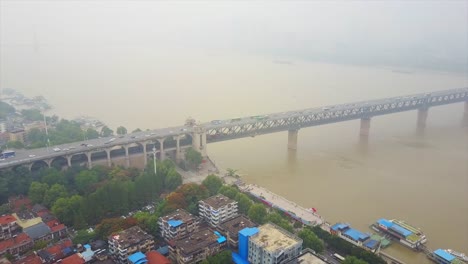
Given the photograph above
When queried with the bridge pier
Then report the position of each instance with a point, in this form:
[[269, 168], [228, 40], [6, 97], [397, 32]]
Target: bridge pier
[[292, 139], [199, 141], [109, 161], [145, 155], [127, 157], [162, 153], [421, 121], [90, 164], [465, 115], [364, 129], [177, 155], [69, 157]]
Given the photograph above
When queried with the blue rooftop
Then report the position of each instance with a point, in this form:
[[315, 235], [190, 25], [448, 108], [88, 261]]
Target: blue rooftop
[[221, 240], [356, 234], [402, 231], [138, 258], [249, 231], [174, 223], [444, 254], [371, 244], [217, 233], [385, 223], [339, 226]]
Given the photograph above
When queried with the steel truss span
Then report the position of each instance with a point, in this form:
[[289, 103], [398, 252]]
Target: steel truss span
[[294, 120]]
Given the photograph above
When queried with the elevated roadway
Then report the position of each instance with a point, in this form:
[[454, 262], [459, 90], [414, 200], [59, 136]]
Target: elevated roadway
[[199, 135]]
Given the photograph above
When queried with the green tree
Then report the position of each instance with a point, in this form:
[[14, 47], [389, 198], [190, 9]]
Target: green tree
[[52, 176], [67, 208], [121, 130], [353, 260], [84, 180], [36, 135], [37, 191], [91, 133], [193, 157], [223, 257], [172, 180], [15, 144], [136, 130], [231, 172], [311, 240], [228, 191], [55, 192], [106, 131], [39, 245], [32, 114], [83, 237], [212, 183], [258, 213], [6, 109], [243, 202]]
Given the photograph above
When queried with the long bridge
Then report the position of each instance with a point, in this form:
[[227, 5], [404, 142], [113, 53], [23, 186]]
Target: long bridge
[[173, 140]]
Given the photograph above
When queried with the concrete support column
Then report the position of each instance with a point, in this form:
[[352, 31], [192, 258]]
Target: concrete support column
[[292, 139], [196, 141], [465, 115], [109, 161], [203, 145], [162, 153], [421, 121], [90, 164], [145, 155], [49, 162], [177, 155], [364, 129], [127, 157], [69, 161]]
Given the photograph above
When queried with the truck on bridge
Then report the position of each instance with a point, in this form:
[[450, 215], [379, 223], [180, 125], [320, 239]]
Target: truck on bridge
[[7, 154]]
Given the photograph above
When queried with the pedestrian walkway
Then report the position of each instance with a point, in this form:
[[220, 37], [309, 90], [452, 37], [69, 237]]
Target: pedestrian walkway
[[302, 214]]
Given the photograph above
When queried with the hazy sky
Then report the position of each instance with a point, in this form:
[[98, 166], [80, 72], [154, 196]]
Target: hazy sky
[[428, 34]]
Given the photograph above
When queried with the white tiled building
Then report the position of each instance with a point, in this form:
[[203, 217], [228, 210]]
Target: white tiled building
[[217, 209], [273, 245]]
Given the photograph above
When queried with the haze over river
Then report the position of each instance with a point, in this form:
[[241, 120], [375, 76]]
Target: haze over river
[[422, 180]]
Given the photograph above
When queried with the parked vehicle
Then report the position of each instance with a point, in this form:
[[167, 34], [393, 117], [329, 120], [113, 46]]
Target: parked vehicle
[[7, 154]]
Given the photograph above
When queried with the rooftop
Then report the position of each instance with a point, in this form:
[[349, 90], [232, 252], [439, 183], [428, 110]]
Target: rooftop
[[218, 201], [73, 259], [274, 238], [25, 223], [178, 217], [307, 257], [236, 224], [14, 241], [138, 258], [155, 257], [444, 255], [196, 241], [385, 222], [131, 236], [6, 219], [356, 234], [339, 226], [31, 259], [37, 231], [400, 230]]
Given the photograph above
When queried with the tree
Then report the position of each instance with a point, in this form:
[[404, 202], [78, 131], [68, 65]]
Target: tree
[[172, 180], [6, 109], [51, 176], [83, 237], [91, 133], [228, 191], [121, 130], [15, 144], [223, 257], [39, 245], [193, 157], [67, 208], [106, 131], [136, 130], [36, 135], [176, 200], [212, 183], [311, 240], [84, 180], [243, 202], [231, 172], [353, 260], [37, 191], [32, 114], [257, 213], [55, 192]]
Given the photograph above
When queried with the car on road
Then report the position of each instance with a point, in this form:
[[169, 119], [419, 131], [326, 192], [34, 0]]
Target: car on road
[[65, 149], [56, 149], [183, 129], [32, 156], [216, 122]]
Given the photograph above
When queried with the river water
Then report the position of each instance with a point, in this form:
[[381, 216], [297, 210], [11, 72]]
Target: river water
[[422, 180]]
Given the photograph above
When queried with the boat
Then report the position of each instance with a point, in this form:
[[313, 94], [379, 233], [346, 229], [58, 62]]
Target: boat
[[402, 232], [459, 255]]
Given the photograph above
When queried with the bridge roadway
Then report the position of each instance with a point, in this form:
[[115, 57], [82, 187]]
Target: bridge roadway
[[220, 130]]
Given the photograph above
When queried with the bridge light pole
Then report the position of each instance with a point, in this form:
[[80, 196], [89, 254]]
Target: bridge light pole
[[46, 131]]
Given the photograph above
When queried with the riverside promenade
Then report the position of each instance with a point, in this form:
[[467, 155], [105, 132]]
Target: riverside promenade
[[306, 216]]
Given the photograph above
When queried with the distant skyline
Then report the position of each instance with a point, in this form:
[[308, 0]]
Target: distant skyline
[[407, 34]]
